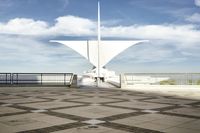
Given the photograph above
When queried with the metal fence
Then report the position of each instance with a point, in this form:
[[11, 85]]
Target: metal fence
[[5, 78], [162, 78], [36, 78]]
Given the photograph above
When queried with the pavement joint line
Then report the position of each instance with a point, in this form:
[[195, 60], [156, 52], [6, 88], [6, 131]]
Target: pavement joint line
[[122, 116], [180, 115], [22, 107], [128, 128], [68, 116], [6, 105], [11, 114], [167, 108], [113, 106], [160, 102], [55, 128], [66, 107], [194, 104]]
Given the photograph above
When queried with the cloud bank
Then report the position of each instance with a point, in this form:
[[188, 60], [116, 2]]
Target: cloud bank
[[187, 35], [66, 25], [195, 18], [20, 42], [197, 2]]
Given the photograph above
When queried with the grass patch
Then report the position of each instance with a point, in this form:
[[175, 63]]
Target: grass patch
[[190, 82], [168, 82], [198, 82]]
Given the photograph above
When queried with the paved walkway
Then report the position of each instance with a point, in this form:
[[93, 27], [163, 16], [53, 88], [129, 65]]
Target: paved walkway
[[66, 110]]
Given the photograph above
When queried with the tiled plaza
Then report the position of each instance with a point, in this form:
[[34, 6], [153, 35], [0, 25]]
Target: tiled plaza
[[94, 110]]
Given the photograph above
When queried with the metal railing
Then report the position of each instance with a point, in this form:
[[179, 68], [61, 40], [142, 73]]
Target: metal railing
[[36, 78], [5, 78], [162, 78]]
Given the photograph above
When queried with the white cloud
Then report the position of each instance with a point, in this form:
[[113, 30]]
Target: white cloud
[[26, 50], [24, 26], [194, 18], [19, 54], [181, 35], [72, 25], [197, 2], [187, 35], [66, 25]]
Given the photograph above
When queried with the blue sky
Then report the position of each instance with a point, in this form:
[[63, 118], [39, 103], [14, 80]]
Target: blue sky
[[172, 26]]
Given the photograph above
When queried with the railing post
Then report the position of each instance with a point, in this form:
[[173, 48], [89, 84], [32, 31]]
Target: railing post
[[64, 78], [11, 78], [74, 80], [6, 78], [41, 79], [17, 78], [122, 81]]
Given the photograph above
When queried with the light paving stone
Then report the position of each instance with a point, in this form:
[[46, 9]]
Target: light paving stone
[[186, 111], [131, 121], [9, 97], [194, 125], [23, 100], [49, 105], [98, 94], [95, 104], [6, 105], [95, 100], [157, 121], [180, 130], [139, 105], [152, 126], [30, 121], [7, 110], [150, 111], [93, 111], [128, 97], [93, 121], [172, 101], [185, 105], [63, 97], [172, 121], [42, 94], [39, 111], [88, 129]]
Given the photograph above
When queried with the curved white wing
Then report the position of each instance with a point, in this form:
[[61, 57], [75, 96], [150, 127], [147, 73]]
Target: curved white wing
[[107, 49]]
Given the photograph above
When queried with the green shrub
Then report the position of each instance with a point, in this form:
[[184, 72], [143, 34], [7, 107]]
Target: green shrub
[[190, 82], [198, 82], [168, 82]]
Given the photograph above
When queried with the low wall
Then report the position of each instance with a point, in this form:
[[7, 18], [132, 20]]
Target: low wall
[[181, 90], [160, 78], [184, 91]]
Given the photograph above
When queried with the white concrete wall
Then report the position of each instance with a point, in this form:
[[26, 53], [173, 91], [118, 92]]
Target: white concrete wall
[[184, 91]]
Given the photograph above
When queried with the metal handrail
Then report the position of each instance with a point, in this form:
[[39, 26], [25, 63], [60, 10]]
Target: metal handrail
[[36, 78], [173, 78]]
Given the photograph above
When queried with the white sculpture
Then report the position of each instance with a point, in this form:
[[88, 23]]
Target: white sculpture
[[99, 52]]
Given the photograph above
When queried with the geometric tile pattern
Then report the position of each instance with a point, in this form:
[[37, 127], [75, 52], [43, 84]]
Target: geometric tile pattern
[[94, 110], [139, 105]]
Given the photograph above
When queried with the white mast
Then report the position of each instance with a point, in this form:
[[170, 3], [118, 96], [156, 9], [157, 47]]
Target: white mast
[[99, 41]]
